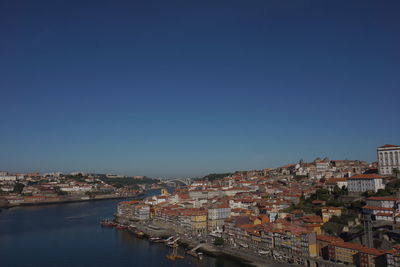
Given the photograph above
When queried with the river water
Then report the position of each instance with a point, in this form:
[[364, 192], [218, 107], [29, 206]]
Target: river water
[[61, 235]]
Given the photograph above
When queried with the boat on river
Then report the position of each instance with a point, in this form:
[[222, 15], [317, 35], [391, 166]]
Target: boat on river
[[156, 240], [139, 234], [197, 255], [174, 255], [120, 227], [107, 223]]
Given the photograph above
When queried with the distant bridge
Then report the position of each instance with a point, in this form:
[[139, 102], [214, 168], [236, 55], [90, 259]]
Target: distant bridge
[[185, 181]]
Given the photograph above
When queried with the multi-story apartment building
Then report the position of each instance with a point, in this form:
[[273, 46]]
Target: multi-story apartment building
[[323, 242], [322, 166], [370, 257], [343, 252], [217, 213], [393, 257], [141, 212], [388, 159], [133, 210], [195, 220], [365, 182], [384, 208], [309, 244]]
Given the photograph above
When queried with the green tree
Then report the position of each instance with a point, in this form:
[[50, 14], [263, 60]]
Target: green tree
[[18, 187], [218, 241], [332, 228]]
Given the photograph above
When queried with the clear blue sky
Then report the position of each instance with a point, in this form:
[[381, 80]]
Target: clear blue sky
[[185, 88]]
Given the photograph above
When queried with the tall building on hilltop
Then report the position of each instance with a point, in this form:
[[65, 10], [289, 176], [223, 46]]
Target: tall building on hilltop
[[388, 159]]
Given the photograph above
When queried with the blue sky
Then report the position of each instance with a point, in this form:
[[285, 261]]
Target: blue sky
[[185, 88]]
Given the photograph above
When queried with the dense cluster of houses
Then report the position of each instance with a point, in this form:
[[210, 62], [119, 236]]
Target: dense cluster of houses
[[249, 210], [51, 187]]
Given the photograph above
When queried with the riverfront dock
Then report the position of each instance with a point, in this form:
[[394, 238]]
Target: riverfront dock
[[192, 246], [156, 230]]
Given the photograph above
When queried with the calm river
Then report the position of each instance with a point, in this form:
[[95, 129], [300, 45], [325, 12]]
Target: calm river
[[70, 235]]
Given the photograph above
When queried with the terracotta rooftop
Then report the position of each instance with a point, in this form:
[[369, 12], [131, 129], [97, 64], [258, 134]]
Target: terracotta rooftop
[[387, 145], [329, 238], [335, 180], [383, 198], [366, 176], [377, 208]]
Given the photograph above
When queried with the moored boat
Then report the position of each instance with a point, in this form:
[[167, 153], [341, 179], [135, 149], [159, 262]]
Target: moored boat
[[172, 244], [139, 234], [107, 223], [120, 227], [156, 240]]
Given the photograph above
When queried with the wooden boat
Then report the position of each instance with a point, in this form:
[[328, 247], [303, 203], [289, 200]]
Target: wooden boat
[[174, 255], [139, 234], [107, 223], [172, 244], [120, 227], [195, 254], [156, 240]]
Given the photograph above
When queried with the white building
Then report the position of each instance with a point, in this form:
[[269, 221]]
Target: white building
[[76, 188], [365, 182], [322, 166], [219, 211], [141, 212], [388, 159], [384, 202], [384, 208], [8, 178], [339, 182]]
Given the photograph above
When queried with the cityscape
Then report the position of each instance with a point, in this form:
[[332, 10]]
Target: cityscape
[[177, 133], [320, 213]]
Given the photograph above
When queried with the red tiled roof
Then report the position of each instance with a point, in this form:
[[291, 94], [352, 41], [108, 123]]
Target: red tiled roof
[[329, 238], [372, 251], [387, 145], [335, 180], [366, 176], [376, 208], [383, 198]]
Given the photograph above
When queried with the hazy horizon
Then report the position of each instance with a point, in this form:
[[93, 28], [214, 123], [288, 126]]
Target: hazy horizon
[[172, 176]]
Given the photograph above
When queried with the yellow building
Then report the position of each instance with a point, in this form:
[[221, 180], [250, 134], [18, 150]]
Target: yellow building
[[328, 212], [198, 220], [164, 192], [344, 252]]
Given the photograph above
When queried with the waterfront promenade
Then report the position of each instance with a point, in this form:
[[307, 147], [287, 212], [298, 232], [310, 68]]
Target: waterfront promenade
[[242, 255]]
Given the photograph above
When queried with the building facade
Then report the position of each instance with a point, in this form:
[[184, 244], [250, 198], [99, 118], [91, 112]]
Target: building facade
[[365, 182], [388, 159]]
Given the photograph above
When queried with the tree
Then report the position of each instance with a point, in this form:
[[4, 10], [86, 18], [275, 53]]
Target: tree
[[218, 241], [332, 228], [18, 187], [59, 192]]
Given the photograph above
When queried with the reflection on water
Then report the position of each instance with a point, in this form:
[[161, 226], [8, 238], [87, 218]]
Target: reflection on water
[[66, 235]]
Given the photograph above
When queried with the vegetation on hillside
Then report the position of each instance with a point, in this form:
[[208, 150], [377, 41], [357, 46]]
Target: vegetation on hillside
[[127, 181], [215, 176]]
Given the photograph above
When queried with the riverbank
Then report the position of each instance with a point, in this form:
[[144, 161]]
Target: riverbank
[[206, 248], [65, 200]]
